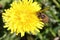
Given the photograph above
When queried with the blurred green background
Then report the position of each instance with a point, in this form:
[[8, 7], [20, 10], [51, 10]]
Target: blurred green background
[[51, 31]]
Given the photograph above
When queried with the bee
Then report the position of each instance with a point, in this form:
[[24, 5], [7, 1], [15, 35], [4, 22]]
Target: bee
[[43, 16], [1, 6]]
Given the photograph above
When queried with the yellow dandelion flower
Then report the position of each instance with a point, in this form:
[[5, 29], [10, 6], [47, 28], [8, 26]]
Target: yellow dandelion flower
[[21, 17]]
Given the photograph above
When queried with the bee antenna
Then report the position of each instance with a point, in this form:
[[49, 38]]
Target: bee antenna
[[44, 9]]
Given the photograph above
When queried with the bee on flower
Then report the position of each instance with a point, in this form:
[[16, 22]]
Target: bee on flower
[[21, 17]]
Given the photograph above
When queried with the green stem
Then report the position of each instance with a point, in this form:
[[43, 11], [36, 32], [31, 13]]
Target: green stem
[[57, 4]]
